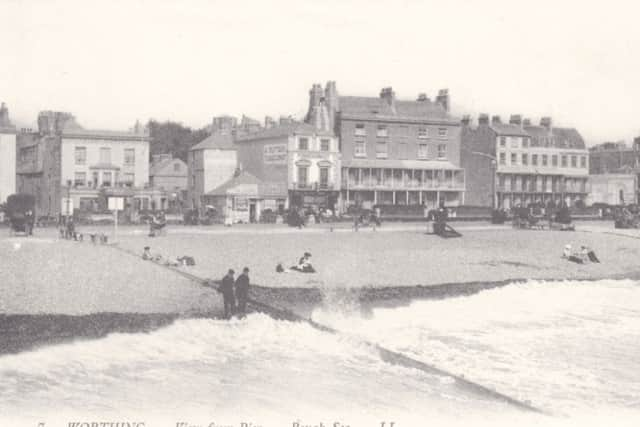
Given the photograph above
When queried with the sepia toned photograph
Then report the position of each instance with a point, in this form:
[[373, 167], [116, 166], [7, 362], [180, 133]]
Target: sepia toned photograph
[[298, 213]]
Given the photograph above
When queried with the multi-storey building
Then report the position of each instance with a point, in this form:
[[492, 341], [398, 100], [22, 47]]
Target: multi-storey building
[[170, 175], [210, 164], [68, 167], [296, 157], [614, 157], [7, 155], [532, 164], [393, 151]]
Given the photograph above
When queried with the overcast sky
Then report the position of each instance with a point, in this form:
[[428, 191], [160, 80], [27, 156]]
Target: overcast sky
[[112, 62]]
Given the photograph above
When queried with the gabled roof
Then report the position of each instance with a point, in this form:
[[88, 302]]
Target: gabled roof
[[377, 108], [159, 167], [284, 130], [216, 141], [245, 178]]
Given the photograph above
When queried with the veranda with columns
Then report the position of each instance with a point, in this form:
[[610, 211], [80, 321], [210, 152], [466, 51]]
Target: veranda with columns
[[396, 186]]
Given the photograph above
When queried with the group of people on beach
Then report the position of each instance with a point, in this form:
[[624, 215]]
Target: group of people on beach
[[167, 261], [235, 293], [304, 265], [582, 256]]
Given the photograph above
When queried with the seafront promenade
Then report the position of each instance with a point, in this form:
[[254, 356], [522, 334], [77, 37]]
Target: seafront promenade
[[46, 275]]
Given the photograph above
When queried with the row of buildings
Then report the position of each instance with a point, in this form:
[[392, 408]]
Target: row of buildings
[[348, 151]]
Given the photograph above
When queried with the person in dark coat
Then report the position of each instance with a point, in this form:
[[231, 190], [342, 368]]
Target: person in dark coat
[[242, 291], [228, 295]]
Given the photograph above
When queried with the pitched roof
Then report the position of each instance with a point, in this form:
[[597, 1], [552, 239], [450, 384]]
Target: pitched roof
[[216, 141], [245, 178], [284, 130], [508, 129], [560, 137], [157, 168], [378, 108]]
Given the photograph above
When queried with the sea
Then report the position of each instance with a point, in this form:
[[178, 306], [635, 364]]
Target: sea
[[568, 348]]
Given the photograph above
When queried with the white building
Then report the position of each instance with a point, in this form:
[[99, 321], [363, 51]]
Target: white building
[[210, 163], [7, 155]]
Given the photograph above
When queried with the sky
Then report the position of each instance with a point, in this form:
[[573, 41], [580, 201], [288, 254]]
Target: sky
[[112, 62]]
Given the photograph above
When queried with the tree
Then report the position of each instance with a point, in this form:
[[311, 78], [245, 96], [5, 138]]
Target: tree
[[174, 137]]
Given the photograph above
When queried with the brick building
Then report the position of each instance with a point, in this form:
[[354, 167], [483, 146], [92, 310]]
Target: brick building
[[516, 163], [64, 161], [394, 152], [302, 160]]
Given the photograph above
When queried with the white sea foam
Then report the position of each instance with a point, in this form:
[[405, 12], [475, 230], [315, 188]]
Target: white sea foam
[[568, 347]]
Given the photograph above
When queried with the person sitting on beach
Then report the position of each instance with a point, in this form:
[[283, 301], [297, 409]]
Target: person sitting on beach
[[304, 264], [146, 254], [579, 257], [589, 254]]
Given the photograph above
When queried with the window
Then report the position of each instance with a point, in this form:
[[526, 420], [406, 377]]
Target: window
[[96, 178], [574, 161], [81, 155], [360, 149], [176, 167], [381, 150], [325, 144], [383, 131], [360, 130], [514, 142], [442, 151], [303, 143], [129, 156], [525, 142], [503, 158], [302, 175], [514, 159], [423, 151], [129, 179], [105, 155], [423, 133], [80, 179], [583, 161], [106, 179], [503, 141], [442, 132], [545, 159], [563, 159], [525, 159], [324, 178], [534, 160], [554, 160]]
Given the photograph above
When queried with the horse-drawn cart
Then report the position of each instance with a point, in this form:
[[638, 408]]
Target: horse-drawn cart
[[20, 211]]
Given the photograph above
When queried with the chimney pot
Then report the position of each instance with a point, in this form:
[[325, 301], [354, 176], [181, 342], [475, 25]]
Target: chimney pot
[[483, 119], [496, 120], [546, 122], [515, 119]]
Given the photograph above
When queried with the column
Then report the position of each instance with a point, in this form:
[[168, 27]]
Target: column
[[420, 196], [394, 196], [407, 197], [437, 198], [375, 197]]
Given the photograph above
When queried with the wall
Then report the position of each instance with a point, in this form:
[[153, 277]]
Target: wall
[[452, 140], [169, 179], [7, 165], [140, 168], [606, 188], [267, 159], [479, 173]]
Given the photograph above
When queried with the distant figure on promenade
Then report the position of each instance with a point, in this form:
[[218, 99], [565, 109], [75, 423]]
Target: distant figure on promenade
[[242, 292], [227, 294], [71, 228]]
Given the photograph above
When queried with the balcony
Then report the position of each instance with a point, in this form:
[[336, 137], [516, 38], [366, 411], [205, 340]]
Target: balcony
[[312, 186]]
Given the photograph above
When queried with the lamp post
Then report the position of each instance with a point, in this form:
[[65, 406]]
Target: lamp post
[[494, 170]]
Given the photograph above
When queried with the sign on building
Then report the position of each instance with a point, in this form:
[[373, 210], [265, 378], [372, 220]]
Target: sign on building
[[275, 154], [67, 206], [240, 203], [116, 203]]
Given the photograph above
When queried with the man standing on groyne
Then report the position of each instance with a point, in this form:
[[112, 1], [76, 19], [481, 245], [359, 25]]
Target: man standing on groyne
[[227, 294], [242, 291]]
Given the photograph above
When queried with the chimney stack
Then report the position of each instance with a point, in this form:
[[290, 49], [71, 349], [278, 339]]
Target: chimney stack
[[483, 119], [443, 99], [515, 119], [495, 120], [466, 120], [269, 122], [526, 122], [546, 122], [422, 97]]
